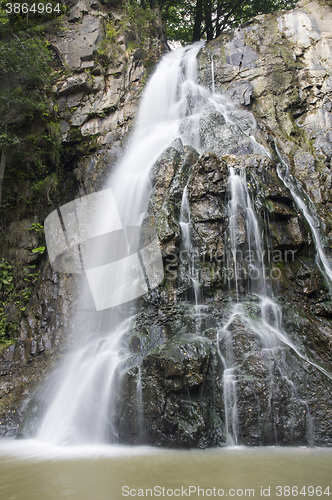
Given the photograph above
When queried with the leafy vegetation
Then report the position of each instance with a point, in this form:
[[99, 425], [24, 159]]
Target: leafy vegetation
[[6, 278], [192, 20], [40, 250], [30, 150], [16, 285], [26, 87], [31, 17], [142, 21], [6, 286], [36, 226], [136, 22]]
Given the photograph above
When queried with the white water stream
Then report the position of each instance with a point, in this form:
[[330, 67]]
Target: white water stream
[[82, 409], [247, 251], [322, 261]]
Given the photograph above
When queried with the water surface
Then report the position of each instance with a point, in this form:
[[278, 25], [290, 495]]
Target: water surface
[[32, 470]]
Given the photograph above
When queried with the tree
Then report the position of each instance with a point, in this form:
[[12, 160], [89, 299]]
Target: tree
[[192, 20], [198, 21]]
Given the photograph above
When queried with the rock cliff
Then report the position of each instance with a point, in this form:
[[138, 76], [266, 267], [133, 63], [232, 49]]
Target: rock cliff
[[278, 71]]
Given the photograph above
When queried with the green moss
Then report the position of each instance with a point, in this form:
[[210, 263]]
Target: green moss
[[4, 345], [269, 206], [108, 48]]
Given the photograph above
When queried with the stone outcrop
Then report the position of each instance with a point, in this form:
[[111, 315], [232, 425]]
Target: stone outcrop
[[101, 96], [279, 66]]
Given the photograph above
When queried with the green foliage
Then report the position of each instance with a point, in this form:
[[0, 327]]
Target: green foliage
[[44, 187], [141, 20], [36, 226], [32, 20], [212, 17], [112, 3], [37, 162], [27, 77], [180, 22], [108, 47], [6, 277], [16, 286], [270, 206], [40, 250], [3, 327], [136, 20], [6, 286], [189, 20]]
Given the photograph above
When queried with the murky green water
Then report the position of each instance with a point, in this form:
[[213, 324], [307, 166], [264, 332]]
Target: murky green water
[[34, 471]]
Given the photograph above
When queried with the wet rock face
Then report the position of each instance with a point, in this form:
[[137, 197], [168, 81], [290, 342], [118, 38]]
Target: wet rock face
[[173, 392], [278, 396], [172, 411]]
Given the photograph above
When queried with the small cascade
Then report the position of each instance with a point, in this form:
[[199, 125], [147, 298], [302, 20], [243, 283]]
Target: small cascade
[[185, 220], [322, 261], [193, 271], [230, 398], [229, 383], [212, 74], [245, 238], [247, 264], [139, 406], [247, 261], [235, 210]]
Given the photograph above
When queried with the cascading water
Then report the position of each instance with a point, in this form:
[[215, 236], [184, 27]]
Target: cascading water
[[321, 259], [175, 106], [192, 268], [83, 406], [247, 265], [245, 236], [187, 243], [81, 411], [246, 240]]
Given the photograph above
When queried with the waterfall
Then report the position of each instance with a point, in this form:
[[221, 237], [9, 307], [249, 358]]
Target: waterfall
[[245, 236], [247, 261], [83, 406], [82, 409], [173, 106]]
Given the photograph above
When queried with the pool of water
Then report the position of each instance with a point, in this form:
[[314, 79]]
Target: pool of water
[[32, 470]]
